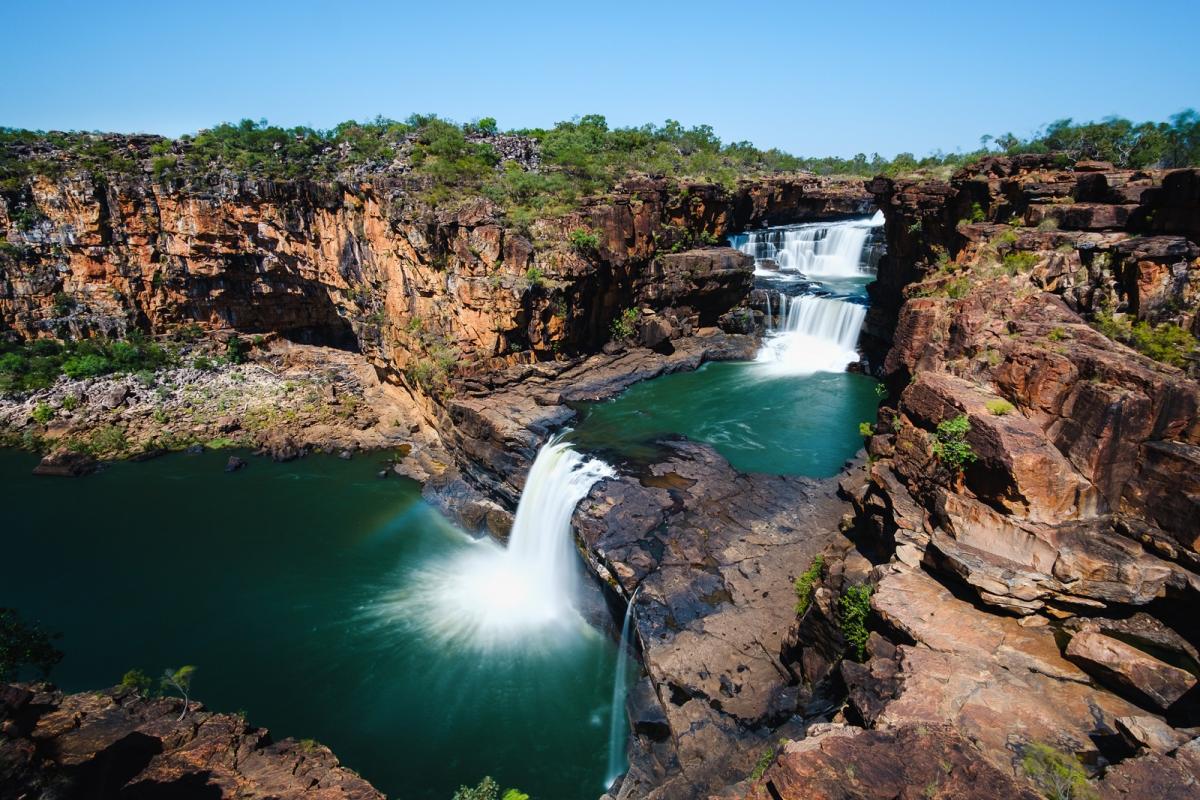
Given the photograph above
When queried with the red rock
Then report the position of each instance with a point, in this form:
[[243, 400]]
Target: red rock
[[1130, 670]]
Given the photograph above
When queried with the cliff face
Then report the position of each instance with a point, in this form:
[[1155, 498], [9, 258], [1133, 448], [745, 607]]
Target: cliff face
[[1037, 559], [366, 266]]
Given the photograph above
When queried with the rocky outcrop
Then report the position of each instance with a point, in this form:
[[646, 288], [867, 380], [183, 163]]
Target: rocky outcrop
[[711, 555], [118, 744], [841, 762]]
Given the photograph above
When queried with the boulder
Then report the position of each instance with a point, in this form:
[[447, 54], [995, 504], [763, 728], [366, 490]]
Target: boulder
[[838, 762], [1129, 670], [63, 463]]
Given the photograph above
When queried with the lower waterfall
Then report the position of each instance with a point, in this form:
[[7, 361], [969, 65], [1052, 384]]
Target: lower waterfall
[[814, 334], [488, 595]]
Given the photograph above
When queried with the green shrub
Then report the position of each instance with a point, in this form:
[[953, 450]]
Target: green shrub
[[1165, 342], [88, 365], [108, 440], [488, 789], [806, 584], [623, 326], [64, 304], [584, 241], [977, 213], [854, 607], [1000, 407], [1059, 776], [137, 682], [866, 430], [1021, 261], [765, 760], [70, 402], [536, 277], [42, 413], [236, 350], [950, 444], [1048, 224], [203, 363]]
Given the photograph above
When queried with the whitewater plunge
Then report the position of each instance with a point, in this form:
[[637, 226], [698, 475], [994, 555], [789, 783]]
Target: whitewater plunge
[[488, 596], [814, 334]]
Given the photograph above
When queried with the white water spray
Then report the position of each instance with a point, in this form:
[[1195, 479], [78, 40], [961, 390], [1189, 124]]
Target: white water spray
[[815, 334], [819, 249], [616, 726], [486, 594]]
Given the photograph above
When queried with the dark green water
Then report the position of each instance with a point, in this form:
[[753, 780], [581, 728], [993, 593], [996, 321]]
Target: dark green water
[[785, 425], [285, 585]]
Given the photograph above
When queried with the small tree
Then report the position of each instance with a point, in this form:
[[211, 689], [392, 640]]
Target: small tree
[[950, 443], [24, 645], [179, 680], [1059, 776]]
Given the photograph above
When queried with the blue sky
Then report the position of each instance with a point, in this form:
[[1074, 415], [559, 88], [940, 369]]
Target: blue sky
[[812, 78]]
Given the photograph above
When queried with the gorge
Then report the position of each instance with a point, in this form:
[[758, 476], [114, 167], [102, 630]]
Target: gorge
[[672, 377]]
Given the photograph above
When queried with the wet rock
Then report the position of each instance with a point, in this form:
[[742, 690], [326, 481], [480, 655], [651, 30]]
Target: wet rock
[[194, 449], [1129, 670], [64, 463], [234, 464]]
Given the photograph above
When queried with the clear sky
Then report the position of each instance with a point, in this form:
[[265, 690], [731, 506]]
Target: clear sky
[[828, 78]]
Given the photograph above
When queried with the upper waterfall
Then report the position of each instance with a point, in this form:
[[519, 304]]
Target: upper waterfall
[[817, 249]]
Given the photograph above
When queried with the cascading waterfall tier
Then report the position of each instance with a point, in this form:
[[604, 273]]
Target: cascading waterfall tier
[[819, 249], [486, 594], [814, 334]]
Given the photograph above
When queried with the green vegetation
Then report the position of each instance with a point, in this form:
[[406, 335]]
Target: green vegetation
[[622, 326], [584, 241], [24, 647], [179, 680], [488, 789], [137, 681], [765, 760], [36, 364], [42, 413], [1165, 342], [580, 157], [977, 213], [1059, 776], [866, 430], [854, 607], [535, 277], [950, 444], [806, 584], [1020, 261], [236, 350], [1000, 407]]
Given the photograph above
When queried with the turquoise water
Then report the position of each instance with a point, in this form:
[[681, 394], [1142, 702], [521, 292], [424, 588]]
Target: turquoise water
[[285, 584], [785, 425]]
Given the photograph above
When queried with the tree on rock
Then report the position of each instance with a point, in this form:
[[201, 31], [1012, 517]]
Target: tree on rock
[[181, 681]]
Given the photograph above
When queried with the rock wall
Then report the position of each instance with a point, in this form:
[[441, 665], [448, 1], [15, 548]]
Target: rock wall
[[368, 266]]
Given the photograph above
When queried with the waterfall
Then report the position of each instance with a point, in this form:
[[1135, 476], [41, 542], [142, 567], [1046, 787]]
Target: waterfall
[[819, 249], [815, 334], [616, 728], [486, 595]]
